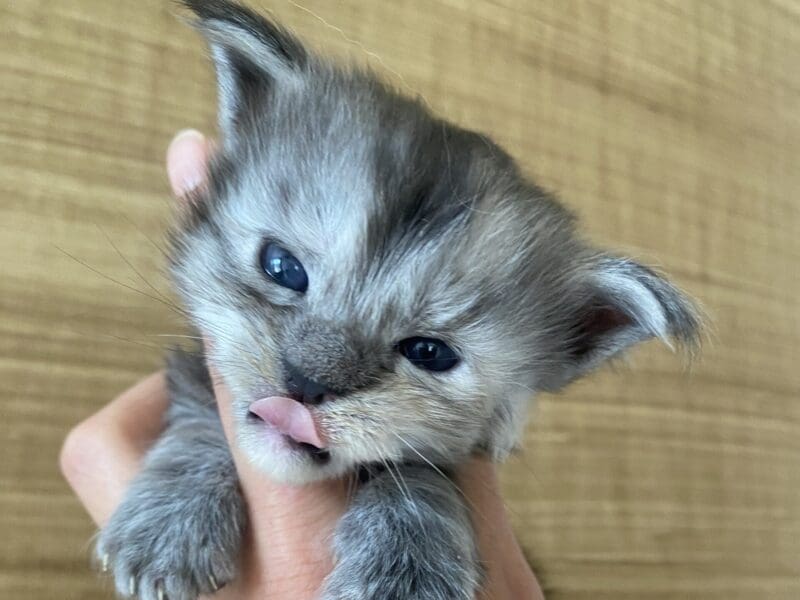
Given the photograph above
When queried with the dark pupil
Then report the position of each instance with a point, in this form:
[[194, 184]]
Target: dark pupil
[[427, 353], [284, 268]]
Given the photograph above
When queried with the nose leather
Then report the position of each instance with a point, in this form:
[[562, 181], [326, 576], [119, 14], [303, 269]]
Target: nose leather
[[302, 388], [338, 356]]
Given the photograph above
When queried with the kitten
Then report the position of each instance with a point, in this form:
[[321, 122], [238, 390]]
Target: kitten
[[381, 287]]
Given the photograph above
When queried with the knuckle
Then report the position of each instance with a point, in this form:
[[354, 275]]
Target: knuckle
[[81, 449]]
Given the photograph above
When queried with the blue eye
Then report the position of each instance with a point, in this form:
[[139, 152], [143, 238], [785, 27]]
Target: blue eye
[[428, 353], [283, 268]]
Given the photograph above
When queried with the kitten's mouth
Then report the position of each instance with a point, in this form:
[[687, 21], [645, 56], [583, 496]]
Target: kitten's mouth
[[294, 421]]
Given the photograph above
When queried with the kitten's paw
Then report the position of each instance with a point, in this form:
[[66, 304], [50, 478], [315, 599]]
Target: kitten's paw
[[387, 581], [160, 555], [397, 565], [410, 543]]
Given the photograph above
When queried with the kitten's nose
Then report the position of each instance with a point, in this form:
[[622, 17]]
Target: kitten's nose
[[303, 389]]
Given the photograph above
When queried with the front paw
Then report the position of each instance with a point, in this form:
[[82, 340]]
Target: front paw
[[375, 576], [160, 548], [411, 543]]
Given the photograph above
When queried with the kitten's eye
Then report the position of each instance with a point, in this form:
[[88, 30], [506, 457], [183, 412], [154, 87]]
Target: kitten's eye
[[427, 353], [283, 268]]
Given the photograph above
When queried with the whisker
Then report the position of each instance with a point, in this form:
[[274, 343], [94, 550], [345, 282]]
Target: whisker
[[130, 264], [403, 491], [519, 459], [118, 338], [158, 247], [444, 476], [175, 335], [352, 486], [169, 305]]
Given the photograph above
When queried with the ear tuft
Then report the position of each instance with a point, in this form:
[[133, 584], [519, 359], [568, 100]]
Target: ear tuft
[[623, 303], [654, 304], [252, 55], [261, 40]]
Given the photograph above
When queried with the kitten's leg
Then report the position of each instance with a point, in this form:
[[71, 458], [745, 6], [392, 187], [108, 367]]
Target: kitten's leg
[[177, 533], [406, 536]]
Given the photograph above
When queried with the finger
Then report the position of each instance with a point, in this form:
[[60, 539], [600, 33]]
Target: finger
[[187, 161], [290, 525], [103, 453], [508, 574]]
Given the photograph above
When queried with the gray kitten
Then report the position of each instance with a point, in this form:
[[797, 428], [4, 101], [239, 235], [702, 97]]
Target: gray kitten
[[385, 291]]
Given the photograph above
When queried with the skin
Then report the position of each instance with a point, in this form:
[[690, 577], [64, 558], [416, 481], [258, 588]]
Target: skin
[[285, 553]]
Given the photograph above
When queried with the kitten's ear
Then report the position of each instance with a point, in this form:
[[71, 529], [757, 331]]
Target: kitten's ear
[[251, 54], [623, 303]]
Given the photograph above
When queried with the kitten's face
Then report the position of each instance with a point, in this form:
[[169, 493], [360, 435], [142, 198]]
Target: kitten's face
[[342, 224]]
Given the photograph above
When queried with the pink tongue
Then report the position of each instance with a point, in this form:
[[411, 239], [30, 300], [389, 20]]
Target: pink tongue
[[289, 417]]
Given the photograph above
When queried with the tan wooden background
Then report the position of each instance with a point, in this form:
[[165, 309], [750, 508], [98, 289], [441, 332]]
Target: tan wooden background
[[672, 128]]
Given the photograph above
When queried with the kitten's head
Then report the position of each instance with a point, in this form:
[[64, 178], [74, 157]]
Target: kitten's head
[[392, 274]]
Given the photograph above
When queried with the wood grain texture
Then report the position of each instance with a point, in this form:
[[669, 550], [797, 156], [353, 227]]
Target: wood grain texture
[[671, 127]]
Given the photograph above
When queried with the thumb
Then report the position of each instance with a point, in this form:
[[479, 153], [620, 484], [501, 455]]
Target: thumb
[[187, 161]]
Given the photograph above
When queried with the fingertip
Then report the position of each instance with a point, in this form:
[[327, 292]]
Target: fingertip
[[187, 161]]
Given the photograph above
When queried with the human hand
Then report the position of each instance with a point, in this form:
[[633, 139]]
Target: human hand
[[287, 524]]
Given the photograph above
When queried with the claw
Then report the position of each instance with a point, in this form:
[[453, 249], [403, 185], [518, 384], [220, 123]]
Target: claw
[[132, 586], [104, 563], [160, 591], [213, 583]]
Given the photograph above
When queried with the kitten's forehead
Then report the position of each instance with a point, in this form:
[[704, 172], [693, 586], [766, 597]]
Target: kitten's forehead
[[383, 162], [399, 203], [393, 210]]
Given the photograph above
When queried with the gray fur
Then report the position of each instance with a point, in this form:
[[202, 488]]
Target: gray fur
[[407, 226], [179, 528], [420, 541]]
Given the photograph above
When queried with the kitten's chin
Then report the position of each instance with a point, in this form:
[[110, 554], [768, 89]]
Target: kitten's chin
[[284, 460]]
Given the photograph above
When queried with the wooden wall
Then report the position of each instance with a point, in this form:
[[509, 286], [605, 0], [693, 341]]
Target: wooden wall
[[672, 127]]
